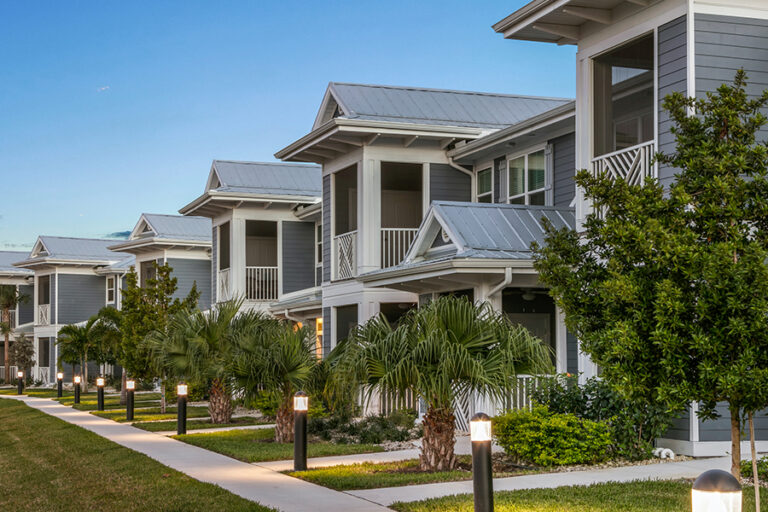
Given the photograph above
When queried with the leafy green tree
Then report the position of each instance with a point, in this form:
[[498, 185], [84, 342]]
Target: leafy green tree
[[668, 289], [198, 347], [10, 298], [278, 359], [76, 344], [23, 353], [442, 351], [146, 309]]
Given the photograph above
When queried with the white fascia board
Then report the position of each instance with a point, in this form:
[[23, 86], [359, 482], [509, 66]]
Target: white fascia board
[[140, 245], [135, 231], [527, 15], [445, 267]]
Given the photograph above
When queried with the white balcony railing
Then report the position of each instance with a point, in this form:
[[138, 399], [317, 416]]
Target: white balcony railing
[[261, 283], [395, 243], [346, 255], [633, 164], [12, 319], [225, 288], [44, 314]]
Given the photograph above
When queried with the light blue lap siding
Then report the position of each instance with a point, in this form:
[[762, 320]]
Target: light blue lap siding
[[189, 272], [572, 354], [214, 263], [326, 228], [720, 429], [726, 43], [327, 331], [298, 258], [680, 428], [672, 72], [564, 169], [79, 297], [448, 184]]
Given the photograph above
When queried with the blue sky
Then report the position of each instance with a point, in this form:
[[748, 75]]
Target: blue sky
[[110, 109]]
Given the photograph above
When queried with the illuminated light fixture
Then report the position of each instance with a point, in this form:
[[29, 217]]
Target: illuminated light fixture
[[300, 401], [59, 385], [300, 407], [100, 393], [182, 389], [716, 491], [482, 475], [59, 376], [20, 374], [77, 379], [181, 408], [130, 385], [100, 382]]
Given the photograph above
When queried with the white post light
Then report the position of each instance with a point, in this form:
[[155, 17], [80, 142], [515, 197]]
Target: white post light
[[300, 401], [181, 408], [482, 472], [59, 384], [130, 386], [77, 379], [20, 374], [60, 376], [100, 393], [716, 491]]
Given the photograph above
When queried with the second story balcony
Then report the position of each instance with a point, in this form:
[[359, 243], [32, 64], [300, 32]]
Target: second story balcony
[[633, 164], [44, 314]]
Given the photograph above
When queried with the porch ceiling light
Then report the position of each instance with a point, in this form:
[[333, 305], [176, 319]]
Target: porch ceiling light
[[300, 401], [130, 385], [480, 427], [716, 491]]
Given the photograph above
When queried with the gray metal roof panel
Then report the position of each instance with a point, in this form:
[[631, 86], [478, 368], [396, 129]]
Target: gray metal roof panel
[[86, 249], [179, 227], [8, 258], [438, 106], [269, 178], [123, 264]]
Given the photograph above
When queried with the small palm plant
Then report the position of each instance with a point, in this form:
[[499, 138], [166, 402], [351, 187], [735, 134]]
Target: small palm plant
[[76, 342], [440, 352], [9, 299], [278, 359], [198, 347]]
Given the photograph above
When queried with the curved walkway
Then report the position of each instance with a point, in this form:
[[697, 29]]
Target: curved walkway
[[251, 482]]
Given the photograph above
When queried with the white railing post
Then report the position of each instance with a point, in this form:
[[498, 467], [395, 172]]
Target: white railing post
[[346, 255], [395, 243], [261, 284]]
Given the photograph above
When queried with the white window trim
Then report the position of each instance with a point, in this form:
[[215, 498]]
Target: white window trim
[[318, 244], [547, 175], [113, 288], [492, 193]]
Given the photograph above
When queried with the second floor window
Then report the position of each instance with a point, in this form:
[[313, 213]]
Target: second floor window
[[485, 186], [319, 245], [110, 290], [527, 179]]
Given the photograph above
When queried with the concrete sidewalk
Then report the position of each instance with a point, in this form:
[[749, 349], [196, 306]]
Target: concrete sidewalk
[[255, 483], [661, 471], [214, 429]]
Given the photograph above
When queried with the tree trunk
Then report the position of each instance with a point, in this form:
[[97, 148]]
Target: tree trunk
[[219, 403], [284, 422], [437, 446], [735, 443], [162, 396], [85, 373], [123, 392], [7, 346], [754, 461]]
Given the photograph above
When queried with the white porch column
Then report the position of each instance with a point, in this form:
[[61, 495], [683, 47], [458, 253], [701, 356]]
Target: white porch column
[[561, 342], [237, 256], [368, 216]]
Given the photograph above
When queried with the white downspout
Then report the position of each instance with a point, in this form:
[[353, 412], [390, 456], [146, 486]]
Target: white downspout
[[288, 316], [460, 168], [503, 284]]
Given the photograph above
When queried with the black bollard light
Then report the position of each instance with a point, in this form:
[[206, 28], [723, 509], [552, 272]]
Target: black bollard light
[[300, 407], [181, 409], [20, 382], [59, 385], [482, 475], [100, 393], [716, 490], [130, 386], [76, 380]]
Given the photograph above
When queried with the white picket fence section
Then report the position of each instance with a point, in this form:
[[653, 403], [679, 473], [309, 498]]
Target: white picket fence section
[[395, 243], [261, 284]]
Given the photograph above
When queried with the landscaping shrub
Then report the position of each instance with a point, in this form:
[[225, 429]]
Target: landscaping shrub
[[634, 426], [398, 426], [545, 438], [762, 468]]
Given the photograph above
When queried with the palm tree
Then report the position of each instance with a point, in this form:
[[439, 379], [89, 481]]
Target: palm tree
[[76, 342], [197, 346], [440, 352], [277, 358], [9, 299]]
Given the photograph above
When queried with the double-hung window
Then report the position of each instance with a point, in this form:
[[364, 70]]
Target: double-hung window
[[110, 290], [485, 186], [527, 178]]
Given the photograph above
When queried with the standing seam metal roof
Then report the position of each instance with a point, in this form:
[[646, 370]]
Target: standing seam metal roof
[[268, 178], [179, 227], [87, 249], [8, 258], [437, 106]]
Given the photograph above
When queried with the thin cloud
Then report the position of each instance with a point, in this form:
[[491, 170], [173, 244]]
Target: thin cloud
[[102, 89], [120, 234]]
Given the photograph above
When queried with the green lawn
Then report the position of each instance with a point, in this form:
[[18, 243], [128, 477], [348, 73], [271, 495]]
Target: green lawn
[[152, 413], [49, 464], [158, 426], [35, 392], [628, 497], [259, 446], [90, 402], [369, 475]]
